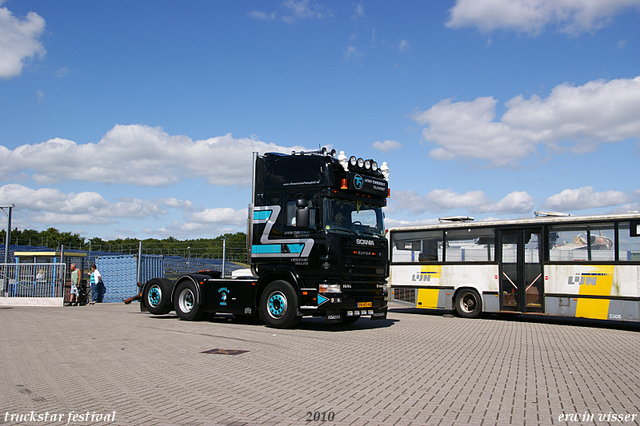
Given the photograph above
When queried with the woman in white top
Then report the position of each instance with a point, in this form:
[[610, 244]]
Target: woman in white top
[[96, 280]]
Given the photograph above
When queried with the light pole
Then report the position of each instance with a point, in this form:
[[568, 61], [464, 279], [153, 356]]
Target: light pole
[[7, 244]]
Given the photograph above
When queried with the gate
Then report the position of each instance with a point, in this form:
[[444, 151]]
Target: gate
[[32, 283]]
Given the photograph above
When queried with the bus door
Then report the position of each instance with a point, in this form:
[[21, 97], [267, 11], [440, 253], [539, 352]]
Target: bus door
[[521, 279]]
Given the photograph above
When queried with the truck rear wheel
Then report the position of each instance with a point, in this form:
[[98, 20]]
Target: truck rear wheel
[[186, 303], [279, 305], [156, 296]]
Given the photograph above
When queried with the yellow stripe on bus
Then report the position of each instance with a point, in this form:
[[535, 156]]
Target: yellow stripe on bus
[[428, 298], [592, 308], [597, 282]]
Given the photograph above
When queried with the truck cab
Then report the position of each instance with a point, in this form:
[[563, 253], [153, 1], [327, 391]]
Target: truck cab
[[316, 222]]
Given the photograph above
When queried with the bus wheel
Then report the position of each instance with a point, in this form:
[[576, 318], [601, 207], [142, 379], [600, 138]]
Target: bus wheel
[[279, 305], [468, 303], [156, 296], [185, 302]]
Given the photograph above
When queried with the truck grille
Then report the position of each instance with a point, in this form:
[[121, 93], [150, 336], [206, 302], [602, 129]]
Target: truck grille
[[364, 265]]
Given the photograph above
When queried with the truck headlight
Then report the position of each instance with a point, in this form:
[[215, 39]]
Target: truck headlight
[[329, 288]]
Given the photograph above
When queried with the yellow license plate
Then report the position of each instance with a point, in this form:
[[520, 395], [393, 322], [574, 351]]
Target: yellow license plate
[[365, 304]]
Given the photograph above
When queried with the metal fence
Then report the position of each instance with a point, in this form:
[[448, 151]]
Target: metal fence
[[120, 269], [32, 279]]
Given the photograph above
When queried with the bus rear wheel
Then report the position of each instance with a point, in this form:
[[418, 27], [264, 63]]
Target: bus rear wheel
[[468, 303]]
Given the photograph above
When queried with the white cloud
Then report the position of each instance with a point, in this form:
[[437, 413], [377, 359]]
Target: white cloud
[[386, 146], [359, 11], [263, 16], [53, 207], [517, 202], [532, 16], [19, 41], [575, 118], [294, 10], [584, 198], [352, 52], [396, 223], [220, 216], [599, 111], [138, 155], [304, 9], [440, 200], [467, 129], [210, 221]]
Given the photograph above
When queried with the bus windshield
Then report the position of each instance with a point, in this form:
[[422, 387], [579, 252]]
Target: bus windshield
[[352, 216]]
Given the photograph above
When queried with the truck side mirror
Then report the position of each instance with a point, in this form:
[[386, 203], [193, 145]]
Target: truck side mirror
[[302, 213], [302, 217]]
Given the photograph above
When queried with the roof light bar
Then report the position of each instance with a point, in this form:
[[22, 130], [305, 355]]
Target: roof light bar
[[354, 163]]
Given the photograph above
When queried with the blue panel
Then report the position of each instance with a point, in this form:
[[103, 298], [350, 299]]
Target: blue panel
[[267, 248], [295, 248], [261, 214]]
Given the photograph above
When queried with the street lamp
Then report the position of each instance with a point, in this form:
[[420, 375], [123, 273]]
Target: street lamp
[[8, 235]]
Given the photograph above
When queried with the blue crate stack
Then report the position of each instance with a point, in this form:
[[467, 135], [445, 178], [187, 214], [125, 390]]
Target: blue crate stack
[[119, 274], [152, 266]]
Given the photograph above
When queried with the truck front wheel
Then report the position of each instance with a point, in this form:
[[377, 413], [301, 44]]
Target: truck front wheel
[[156, 296], [185, 302], [279, 305]]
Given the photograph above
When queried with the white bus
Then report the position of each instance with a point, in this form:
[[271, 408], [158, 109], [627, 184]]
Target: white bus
[[553, 264]]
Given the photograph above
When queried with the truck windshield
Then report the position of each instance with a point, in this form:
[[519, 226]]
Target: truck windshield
[[352, 216]]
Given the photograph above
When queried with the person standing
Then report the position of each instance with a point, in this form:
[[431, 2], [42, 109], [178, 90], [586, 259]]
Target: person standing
[[75, 285], [96, 283]]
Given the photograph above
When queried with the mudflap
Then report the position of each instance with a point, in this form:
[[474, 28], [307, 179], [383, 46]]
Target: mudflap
[[333, 317], [379, 314]]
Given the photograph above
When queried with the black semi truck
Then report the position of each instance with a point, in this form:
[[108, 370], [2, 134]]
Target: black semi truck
[[316, 246]]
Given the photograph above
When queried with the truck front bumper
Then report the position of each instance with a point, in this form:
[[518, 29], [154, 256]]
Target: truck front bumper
[[337, 316]]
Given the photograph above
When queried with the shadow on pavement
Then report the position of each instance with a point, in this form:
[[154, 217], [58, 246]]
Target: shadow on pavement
[[307, 323], [542, 319]]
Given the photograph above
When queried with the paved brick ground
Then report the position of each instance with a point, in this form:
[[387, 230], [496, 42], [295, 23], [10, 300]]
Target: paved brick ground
[[413, 369]]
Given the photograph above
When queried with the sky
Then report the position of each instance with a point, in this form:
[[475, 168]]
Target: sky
[[138, 119]]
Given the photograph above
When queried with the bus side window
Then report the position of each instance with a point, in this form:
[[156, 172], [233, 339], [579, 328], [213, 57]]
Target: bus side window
[[415, 247], [628, 242], [470, 245], [429, 251]]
